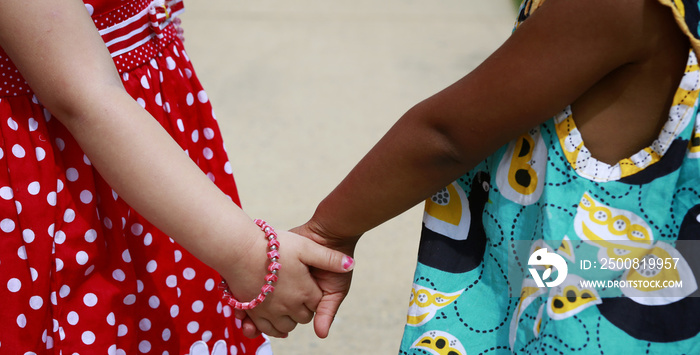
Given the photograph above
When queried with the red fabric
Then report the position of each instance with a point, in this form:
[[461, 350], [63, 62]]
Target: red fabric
[[80, 271]]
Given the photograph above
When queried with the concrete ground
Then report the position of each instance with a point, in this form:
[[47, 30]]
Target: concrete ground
[[303, 89]]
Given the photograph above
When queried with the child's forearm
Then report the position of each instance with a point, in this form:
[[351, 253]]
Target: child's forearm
[[411, 162], [152, 174], [59, 52]]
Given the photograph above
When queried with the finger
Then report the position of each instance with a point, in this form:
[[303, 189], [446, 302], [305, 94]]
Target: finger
[[325, 313], [303, 315], [249, 329], [240, 314], [266, 327], [327, 259]]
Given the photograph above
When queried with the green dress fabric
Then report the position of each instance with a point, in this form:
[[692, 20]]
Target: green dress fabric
[[542, 249]]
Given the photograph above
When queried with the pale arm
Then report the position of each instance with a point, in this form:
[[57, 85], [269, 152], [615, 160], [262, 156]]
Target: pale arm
[[57, 49]]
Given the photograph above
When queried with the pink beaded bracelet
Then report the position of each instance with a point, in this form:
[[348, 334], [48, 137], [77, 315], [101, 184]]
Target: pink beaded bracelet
[[273, 254]]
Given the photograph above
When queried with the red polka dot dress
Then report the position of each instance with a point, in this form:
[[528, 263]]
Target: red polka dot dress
[[80, 271]]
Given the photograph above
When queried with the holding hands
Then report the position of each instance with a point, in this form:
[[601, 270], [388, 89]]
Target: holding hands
[[313, 279]]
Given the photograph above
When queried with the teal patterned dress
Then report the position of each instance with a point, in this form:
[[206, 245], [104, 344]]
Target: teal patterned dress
[[542, 249]]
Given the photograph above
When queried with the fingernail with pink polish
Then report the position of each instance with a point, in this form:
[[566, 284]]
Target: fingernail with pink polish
[[348, 263]]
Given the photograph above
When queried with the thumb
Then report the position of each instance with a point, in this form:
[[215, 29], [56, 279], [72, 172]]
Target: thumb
[[325, 314], [326, 259]]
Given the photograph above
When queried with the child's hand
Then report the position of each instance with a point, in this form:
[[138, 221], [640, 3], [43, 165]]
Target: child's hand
[[296, 295], [335, 286]]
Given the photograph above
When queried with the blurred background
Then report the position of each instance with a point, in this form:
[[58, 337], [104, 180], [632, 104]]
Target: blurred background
[[303, 89]]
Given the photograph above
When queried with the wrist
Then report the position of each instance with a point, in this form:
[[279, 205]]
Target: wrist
[[242, 260], [322, 231]]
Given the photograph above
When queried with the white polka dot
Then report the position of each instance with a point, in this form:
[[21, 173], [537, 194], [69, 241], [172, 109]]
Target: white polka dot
[[86, 160], [197, 306], [73, 318], [180, 125], [33, 125], [144, 346], [34, 273], [112, 350], [7, 225], [12, 124], [144, 82], [122, 330], [178, 256], [90, 235], [90, 299], [189, 273], [88, 337], [89, 270], [154, 302], [141, 102], [209, 285], [69, 216], [192, 327], [227, 168], [136, 229], [34, 188], [59, 264], [170, 63], [130, 299], [208, 153], [85, 196], [208, 133], [126, 256], [107, 222], [151, 266], [166, 334], [145, 324], [227, 311], [189, 99], [90, 10], [18, 151], [188, 73], [206, 336], [22, 321], [64, 291], [202, 96], [159, 100], [59, 237], [28, 236], [698, 218], [147, 239], [195, 136], [171, 281], [81, 257], [51, 198], [60, 144], [36, 302], [6, 193], [119, 275], [54, 299], [174, 311], [13, 285], [72, 174], [111, 320], [40, 153], [22, 253]]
